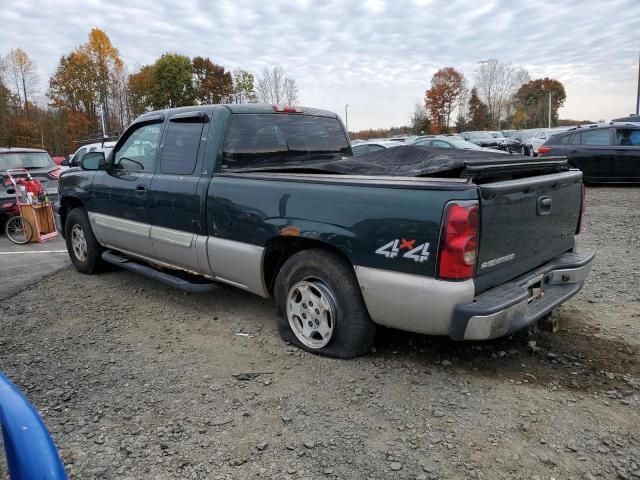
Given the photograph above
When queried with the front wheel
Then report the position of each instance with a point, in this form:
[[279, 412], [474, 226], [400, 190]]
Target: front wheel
[[319, 307], [19, 230], [84, 250]]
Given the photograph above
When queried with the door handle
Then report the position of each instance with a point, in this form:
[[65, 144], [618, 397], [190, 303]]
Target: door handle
[[141, 191]]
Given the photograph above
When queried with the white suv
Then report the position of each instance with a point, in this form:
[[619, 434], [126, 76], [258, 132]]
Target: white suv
[[74, 160]]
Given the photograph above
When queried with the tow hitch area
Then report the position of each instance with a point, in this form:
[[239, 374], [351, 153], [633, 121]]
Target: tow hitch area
[[535, 289]]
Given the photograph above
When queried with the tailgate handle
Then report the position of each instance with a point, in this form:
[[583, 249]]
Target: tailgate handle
[[544, 206]]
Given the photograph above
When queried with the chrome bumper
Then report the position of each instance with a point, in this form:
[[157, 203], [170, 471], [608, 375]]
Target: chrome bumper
[[517, 304]]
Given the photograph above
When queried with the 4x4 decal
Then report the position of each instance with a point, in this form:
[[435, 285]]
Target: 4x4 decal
[[392, 249]]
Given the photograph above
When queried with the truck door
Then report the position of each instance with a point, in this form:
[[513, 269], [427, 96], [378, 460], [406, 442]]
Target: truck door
[[591, 151], [627, 150], [178, 193], [119, 209]]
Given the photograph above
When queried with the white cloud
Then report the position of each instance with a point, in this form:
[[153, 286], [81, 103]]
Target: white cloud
[[377, 56]]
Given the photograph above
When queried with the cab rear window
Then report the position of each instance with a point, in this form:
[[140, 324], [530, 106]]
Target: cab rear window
[[273, 139]]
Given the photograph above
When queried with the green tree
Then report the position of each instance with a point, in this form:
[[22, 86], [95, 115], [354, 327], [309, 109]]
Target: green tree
[[477, 116], [74, 86], [243, 87], [533, 100], [212, 83], [173, 84]]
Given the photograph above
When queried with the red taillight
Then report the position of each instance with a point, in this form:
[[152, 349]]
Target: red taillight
[[55, 173], [583, 206], [543, 150], [459, 241], [286, 109]]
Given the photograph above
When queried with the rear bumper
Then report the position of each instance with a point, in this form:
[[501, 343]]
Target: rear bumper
[[521, 302]]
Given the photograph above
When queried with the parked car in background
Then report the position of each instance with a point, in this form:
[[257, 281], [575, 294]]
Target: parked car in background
[[368, 147], [500, 139], [542, 136], [454, 142], [604, 153], [58, 160], [526, 140], [37, 162], [76, 158], [513, 141], [482, 139]]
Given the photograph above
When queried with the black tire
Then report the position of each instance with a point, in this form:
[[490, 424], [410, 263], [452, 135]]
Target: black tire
[[353, 332], [91, 262], [19, 230]]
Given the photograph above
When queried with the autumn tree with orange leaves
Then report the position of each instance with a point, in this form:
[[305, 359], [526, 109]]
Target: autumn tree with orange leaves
[[447, 87], [92, 81]]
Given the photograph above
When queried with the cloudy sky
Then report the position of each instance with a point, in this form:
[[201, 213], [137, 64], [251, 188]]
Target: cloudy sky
[[376, 56]]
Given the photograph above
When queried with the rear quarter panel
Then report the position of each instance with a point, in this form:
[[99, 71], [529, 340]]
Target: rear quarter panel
[[357, 219]]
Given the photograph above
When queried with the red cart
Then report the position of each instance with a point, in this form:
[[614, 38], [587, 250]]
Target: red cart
[[31, 217]]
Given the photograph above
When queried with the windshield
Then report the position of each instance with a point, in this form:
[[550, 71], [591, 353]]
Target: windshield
[[481, 136], [463, 144], [273, 139], [28, 160]]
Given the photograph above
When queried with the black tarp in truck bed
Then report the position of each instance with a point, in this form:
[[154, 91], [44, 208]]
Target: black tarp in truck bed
[[419, 161]]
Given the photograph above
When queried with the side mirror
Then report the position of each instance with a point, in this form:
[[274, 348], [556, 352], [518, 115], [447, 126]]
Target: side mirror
[[65, 162], [93, 161]]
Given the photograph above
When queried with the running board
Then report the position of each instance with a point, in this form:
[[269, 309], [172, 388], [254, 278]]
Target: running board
[[149, 272]]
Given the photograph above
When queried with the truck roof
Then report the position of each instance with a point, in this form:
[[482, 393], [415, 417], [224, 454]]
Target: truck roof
[[238, 108]]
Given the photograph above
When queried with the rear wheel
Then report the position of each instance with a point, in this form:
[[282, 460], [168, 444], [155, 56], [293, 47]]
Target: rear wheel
[[319, 307], [19, 230], [84, 250]]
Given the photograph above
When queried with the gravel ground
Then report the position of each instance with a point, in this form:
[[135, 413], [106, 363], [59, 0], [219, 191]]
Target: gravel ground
[[135, 380]]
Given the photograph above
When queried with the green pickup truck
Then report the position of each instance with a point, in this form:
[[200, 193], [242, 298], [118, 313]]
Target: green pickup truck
[[268, 199]]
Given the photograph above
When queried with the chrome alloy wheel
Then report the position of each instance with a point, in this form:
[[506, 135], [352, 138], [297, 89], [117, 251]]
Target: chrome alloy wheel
[[311, 311], [78, 243]]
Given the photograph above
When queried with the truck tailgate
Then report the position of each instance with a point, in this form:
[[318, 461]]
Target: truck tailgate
[[525, 223]]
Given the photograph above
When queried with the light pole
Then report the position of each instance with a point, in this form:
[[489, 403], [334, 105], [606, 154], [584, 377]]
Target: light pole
[[346, 117], [549, 109]]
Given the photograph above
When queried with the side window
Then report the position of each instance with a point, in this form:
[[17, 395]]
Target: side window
[[595, 137], [375, 148], [563, 140], [78, 156], [575, 139], [627, 137], [139, 149], [180, 148], [440, 144], [359, 150]]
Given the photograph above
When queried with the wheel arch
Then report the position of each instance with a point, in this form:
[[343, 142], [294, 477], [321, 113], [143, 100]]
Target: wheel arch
[[279, 249], [66, 205]]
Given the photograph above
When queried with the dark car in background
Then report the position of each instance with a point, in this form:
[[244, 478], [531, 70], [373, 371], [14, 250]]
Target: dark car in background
[[513, 141], [453, 142], [39, 164], [370, 147], [605, 153]]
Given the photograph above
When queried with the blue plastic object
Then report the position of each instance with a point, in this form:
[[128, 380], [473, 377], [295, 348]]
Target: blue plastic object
[[31, 453]]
